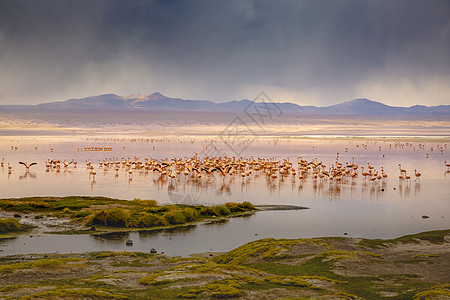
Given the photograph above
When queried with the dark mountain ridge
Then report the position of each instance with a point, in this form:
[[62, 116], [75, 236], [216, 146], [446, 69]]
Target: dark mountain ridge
[[158, 102]]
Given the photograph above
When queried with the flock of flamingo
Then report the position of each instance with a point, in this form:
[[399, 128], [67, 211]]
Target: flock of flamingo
[[194, 168], [200, 169]]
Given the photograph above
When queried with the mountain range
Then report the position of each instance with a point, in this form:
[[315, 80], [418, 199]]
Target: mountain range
[[158, 102]]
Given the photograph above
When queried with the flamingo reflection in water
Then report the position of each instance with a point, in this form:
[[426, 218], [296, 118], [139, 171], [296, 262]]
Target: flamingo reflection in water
[[26, 175]]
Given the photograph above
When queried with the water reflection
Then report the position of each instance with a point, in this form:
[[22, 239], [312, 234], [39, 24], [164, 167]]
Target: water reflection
[[301, 184], [27, 174], [417, 188], [224, 189], [113, 236], [167, 231]]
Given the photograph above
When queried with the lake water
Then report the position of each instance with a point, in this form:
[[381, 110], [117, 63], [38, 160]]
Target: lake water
[[356, 208]]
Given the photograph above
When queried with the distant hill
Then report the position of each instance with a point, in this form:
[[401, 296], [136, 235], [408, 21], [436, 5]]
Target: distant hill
[[159, 102]]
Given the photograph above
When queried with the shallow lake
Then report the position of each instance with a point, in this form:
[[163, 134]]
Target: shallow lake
[[357, 207]]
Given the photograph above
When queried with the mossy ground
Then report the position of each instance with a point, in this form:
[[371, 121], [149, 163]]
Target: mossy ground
[[322, 268], [11, 226], [436, 237]]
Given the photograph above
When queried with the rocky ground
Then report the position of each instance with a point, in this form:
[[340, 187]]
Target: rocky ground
[[410, 267]]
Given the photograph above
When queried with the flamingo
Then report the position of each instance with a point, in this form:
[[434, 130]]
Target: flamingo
[[407, 177], [27, 166], [417, 174], [363, 173], [401, 170], [447, 165], [66, 164]]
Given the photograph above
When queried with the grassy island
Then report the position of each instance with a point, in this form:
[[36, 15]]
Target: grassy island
[[105, 214]]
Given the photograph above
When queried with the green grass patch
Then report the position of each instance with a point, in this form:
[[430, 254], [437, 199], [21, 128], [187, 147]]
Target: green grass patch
[[425, 255], [11, 225], [39, 263], [83, 293], [365, 287], [152, 279], [12, 288], [266, 249], [335, 255], [288, 280], [436, 292], [415, 261], [115, 217], [132, 264], [140, 202], [114, 254], [346, 295], [358, 285], [434, 237], [214, 290]]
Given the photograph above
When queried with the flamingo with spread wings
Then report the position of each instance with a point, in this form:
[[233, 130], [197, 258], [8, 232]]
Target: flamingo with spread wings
[[27, 166]]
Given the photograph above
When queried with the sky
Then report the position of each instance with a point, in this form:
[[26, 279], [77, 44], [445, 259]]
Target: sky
[[315, 52]]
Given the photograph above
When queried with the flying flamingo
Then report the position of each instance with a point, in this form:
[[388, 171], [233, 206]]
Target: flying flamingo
[[27, 166], [66, 164]]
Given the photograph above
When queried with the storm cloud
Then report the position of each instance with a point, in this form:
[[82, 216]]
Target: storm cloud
[[309, 52]]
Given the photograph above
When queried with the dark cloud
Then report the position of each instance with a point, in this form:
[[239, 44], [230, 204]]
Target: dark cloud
[[310, 52]]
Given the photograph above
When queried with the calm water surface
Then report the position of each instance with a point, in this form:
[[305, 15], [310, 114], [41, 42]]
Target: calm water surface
[[361, 209]]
